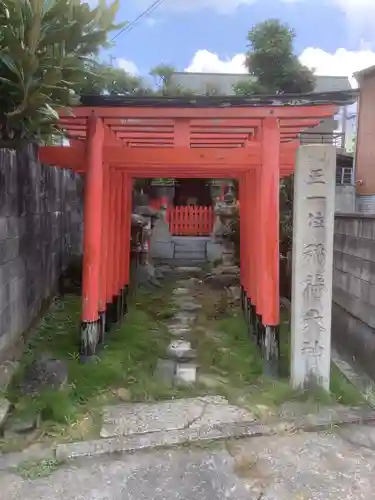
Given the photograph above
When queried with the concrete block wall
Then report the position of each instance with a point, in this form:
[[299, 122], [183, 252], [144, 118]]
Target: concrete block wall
[[353, 311], [345, 198], [40, 229]]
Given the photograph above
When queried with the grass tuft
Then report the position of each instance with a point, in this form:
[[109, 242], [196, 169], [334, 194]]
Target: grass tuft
[[232, 354], [36, 469], [127, 360]]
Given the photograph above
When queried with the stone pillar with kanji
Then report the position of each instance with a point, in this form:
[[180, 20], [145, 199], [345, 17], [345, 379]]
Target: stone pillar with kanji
[[313, 226]]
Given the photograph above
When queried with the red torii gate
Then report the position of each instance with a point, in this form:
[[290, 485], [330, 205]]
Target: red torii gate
[[115, 139]]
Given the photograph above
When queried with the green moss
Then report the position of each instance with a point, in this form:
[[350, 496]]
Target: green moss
[[37, 469]]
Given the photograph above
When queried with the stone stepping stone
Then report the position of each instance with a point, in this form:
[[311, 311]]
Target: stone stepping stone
[[184, 318], [165, 371], [192, 271], [182, 332], [186, 373], [188, 283], [181, 350], [187, 305], [178, 292]]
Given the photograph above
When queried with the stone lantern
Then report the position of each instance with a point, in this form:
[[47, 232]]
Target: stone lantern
[[226, 213]]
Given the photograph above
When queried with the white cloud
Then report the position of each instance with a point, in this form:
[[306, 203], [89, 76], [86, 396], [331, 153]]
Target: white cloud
[[128, 66], [341, 63], [208, 62]]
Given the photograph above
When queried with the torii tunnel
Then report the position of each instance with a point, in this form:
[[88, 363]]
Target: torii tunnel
[[114, 140]]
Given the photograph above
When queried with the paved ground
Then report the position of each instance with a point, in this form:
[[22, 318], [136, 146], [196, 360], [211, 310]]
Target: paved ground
[[310, 466]]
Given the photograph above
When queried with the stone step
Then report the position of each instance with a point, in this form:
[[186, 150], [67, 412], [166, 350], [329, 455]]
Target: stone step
[[184, 318], [186, 373], [189, 270], [142, 418], [180, 332], [188, 261], [181, 292], [181, 350], [187, 304]]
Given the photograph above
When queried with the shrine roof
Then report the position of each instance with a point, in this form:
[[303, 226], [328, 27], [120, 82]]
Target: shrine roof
[[338, 98], [200, 121]]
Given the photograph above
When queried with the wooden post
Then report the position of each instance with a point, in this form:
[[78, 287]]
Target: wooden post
[[104, 253], [93, 213], [124, 216], [116, 254], [244, 235], [128, 188], [270, 220], [241, 199], [110, 317], [258, 259], [252, 244], [120, 215]]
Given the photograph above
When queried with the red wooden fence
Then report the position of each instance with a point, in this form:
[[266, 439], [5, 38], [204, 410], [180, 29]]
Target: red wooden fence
[[190, 220]]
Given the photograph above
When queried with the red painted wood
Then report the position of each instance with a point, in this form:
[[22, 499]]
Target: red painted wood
[[104, 247], [269, 194], [252, 242], [111, 239], [120, 240], [243, 242], [190, 220], [163, 144], [258, 256], [127, 207], [93, 222], [116, 215]]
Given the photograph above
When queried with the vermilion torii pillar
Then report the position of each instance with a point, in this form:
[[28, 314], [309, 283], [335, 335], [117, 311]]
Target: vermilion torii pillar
[[104, 253], [270, 220], [93, 211]]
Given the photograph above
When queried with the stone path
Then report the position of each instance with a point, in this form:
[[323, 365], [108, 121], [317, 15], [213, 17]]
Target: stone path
[[190, 413], [306, 466], [179, 366], [286, 463]]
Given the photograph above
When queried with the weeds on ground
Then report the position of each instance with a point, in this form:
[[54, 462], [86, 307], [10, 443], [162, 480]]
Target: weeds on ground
[[37, 469], [127, 361], [230, 352]]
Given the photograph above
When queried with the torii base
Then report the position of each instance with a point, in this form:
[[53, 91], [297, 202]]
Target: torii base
[[90, 334]]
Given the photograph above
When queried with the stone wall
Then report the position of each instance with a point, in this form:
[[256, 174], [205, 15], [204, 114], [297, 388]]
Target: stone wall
[[345, 198], [353, 312], [40, 230]]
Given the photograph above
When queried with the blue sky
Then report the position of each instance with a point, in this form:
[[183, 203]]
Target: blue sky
[[334, 36]]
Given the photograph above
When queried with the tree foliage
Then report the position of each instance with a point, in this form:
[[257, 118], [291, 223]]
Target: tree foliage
[[162, 75], [114, 81], [272, 63], [47, 52], [275, 69]]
